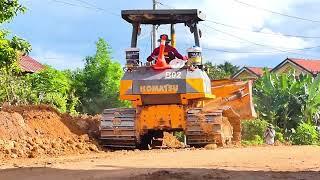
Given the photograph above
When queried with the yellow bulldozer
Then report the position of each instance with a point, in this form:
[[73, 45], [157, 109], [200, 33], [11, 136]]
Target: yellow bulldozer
[[174, 97]]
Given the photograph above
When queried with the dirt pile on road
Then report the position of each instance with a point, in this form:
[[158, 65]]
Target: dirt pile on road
[[32, 131], [171, 141]]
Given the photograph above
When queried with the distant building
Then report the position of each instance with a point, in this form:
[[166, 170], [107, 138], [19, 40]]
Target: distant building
[[305, 66], [248, 73], [30, 65]]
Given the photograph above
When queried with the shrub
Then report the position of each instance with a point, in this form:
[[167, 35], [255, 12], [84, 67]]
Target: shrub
[[305, 134], [279, 137], [257, 140], [253, 128]]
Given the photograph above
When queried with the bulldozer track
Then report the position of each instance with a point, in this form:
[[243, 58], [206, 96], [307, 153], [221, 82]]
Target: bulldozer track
[[118, 128], [205, 128]]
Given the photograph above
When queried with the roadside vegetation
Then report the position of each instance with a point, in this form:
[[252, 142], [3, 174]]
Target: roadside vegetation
[[86, 90], [220, 71], [290, 103]]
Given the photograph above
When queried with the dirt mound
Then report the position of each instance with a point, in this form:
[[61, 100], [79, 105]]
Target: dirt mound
[[171, 141], [31, 131]]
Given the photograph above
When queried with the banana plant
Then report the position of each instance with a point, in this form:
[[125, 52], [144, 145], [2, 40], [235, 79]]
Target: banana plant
[[311, 110], [286, 100]]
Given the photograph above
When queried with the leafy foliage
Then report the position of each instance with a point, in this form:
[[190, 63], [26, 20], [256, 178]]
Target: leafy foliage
[[257, 140], [305, 134], [228, 68], [52, 86], [11, 49], [220, 71], [291, 103], [286, 100], [9, 9], [98, 83], [21, 45], [279, 137], [14, 89], [8, 55], [49, 86], [253, 128]]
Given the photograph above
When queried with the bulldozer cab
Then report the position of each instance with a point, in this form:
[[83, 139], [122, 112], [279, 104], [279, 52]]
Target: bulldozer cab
[[188, 17]]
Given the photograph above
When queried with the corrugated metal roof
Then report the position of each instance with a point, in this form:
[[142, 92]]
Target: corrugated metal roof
[[28, 64]]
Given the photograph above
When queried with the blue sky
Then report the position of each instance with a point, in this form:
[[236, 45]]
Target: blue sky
[[63, 32]]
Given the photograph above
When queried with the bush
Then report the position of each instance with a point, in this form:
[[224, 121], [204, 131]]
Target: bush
[[305, 134], [257, 140], [279, 137], [53, 87], [252, 128]]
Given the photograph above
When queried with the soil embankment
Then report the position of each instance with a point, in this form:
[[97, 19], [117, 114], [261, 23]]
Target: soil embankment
[[33, 131]]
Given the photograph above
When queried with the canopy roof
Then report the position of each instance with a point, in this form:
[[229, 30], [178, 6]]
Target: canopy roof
[[163, 16]]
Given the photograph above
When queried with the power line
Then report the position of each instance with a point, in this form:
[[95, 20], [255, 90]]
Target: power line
[[267, 33], [237, 37], [249, 30], [165, 5], [278, 13], [263, 45], [87, 6], [85, 2], [239, 52], [258, 44], [71, 4]]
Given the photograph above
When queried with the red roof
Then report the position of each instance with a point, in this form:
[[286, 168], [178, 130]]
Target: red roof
[[256, 70], [28, 64], [310, 65]]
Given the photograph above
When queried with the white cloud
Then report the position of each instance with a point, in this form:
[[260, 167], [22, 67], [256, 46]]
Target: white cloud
[[232, 13]]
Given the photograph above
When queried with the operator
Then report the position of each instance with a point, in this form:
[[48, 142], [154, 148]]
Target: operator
[[170, 52]]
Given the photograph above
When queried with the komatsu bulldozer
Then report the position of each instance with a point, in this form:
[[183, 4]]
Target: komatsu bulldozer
[[174, 97]]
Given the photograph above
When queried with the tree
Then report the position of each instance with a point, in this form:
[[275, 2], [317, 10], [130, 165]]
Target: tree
[[11, 49], [229, 68], [220, 71], [50, 86], [98, 83], [9, 9], [8, 55]]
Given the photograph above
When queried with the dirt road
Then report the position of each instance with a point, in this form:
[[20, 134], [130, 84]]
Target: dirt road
[[284, 162]]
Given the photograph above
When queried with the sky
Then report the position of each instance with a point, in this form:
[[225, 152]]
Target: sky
[[244, 32]]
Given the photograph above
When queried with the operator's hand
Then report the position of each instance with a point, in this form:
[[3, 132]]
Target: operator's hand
[[152, 58]]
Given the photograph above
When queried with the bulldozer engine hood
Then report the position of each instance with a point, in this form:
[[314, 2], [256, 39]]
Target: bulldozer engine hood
[[168, 81], [147, 82]]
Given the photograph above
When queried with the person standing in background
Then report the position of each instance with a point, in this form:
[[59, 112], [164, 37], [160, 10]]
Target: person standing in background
[[269, 134]]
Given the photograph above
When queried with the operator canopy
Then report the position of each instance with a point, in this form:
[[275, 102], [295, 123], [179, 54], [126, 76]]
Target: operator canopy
[[163, 16]]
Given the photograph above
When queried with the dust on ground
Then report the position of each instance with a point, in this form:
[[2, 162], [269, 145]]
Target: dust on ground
[[38, 142], [269, 162], [33, 131]]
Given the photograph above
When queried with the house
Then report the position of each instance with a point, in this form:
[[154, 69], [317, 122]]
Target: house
[[305, 66], [249, 73], [29, 65]]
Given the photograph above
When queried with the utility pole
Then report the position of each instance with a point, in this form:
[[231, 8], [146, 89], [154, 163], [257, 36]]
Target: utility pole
[[154, 31]]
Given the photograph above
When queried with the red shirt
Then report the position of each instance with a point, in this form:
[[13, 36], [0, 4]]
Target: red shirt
[[169, 52]]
